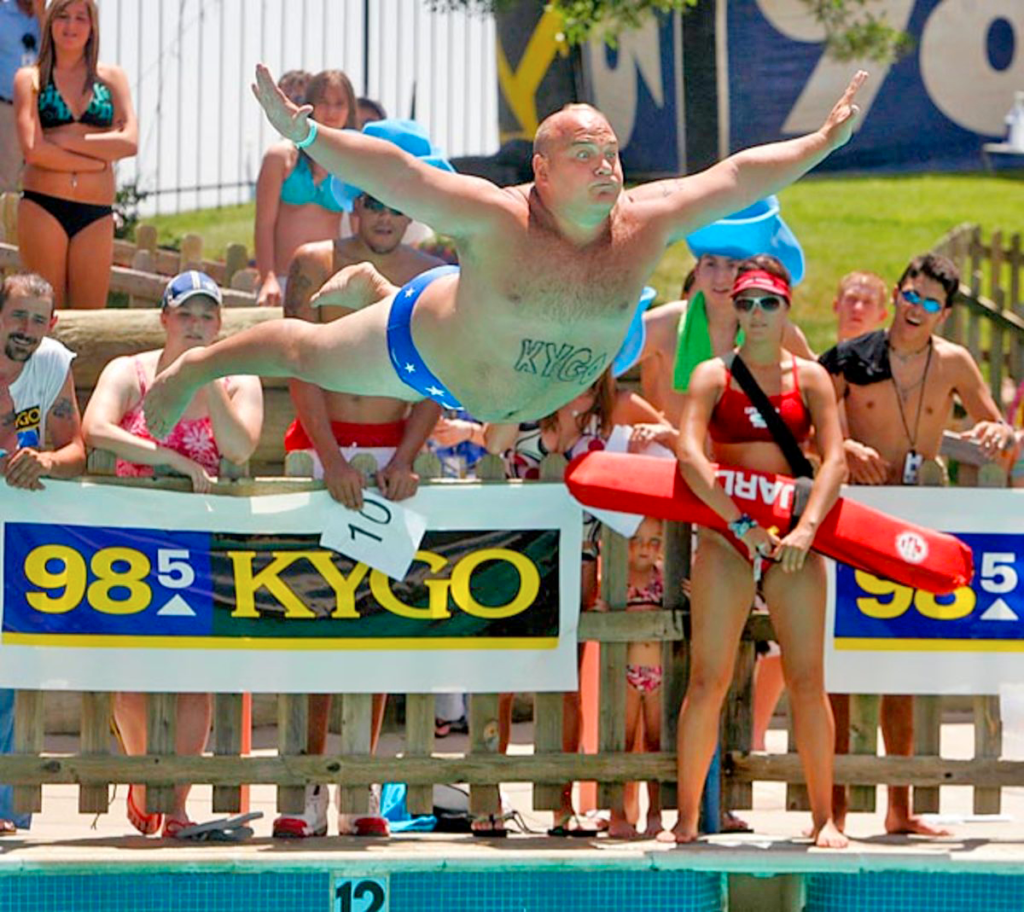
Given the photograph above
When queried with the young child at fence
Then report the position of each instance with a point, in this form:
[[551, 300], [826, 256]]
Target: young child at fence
[[645, 592], [223, 419], [583, 424]]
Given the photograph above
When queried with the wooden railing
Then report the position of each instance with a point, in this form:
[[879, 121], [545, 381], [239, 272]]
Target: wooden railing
[[482, 767], [988, 316]]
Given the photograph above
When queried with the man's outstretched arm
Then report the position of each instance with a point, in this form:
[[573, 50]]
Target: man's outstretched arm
[[689, 203], [449, 203]]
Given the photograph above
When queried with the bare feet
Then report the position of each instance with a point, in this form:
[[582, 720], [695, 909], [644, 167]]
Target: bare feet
[[620, 828], [911, 824], [654, 826], [678, 835], [827, 836]]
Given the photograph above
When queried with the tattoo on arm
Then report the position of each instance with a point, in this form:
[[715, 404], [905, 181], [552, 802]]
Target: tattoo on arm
[[63, 408], [298, 292], [560, 361]]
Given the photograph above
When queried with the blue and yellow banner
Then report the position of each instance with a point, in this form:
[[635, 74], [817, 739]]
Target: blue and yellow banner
[[180, 588]]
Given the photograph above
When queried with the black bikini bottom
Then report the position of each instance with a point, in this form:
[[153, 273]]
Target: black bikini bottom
[[73, 217]]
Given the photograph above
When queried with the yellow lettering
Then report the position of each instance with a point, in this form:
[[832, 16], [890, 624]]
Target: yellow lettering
[[437, 608], [899, 603], [344, 586], [132, 579], [529, 583], [246, 584], [71, 578], [520, 86], [962, 605]]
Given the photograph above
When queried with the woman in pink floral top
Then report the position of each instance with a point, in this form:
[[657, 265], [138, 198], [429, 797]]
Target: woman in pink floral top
[[224, 419]]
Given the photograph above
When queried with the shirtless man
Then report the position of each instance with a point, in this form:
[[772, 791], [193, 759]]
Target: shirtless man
[[551, 271], [712, 276], [897, 387], [329, 421]]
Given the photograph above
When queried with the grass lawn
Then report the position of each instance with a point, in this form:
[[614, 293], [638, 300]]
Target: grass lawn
[[844, 223]]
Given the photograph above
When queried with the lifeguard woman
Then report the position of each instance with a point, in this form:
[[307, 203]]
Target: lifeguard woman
[[723, 577]]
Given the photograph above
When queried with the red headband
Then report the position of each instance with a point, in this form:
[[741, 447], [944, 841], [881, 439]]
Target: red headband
[[759, 278]]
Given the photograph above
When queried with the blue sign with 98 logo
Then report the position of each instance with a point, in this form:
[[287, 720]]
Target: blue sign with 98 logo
[[88, 580], [991, 608]]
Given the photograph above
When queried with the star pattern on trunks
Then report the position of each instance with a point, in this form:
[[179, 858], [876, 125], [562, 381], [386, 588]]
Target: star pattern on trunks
[[435, 391], [410, 292], [410, 368]]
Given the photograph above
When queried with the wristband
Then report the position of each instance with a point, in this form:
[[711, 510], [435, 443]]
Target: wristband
[[310, 136], [740, 527]]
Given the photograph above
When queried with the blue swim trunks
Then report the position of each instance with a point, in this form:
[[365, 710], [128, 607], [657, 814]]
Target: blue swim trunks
[[412, 370]]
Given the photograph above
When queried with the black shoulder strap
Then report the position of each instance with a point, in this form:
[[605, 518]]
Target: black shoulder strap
[[799, 463]]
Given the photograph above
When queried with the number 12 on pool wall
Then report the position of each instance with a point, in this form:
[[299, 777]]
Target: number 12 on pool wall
[[361, 894]]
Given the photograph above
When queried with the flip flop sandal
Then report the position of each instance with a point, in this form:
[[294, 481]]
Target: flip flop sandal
[[564, 831], [494, 830], [146, 824], [224, 829]]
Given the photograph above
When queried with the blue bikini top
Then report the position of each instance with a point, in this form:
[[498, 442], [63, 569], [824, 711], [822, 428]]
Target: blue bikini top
[[299, 188], [54, 111]]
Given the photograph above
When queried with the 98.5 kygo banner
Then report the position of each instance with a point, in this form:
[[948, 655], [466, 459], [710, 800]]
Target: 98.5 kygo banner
[[114, 588]]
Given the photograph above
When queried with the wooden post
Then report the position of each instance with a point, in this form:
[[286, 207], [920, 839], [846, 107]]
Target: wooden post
[[143, 261], [95, 741], [356, 725], [145, 237], [864, 710], [161, 717], [1017, 306], [612, 725], [973, 341], [292, 728], [419, 708], [236, 257], [28, 739], [9, 217], [548, 717], [228, 721], [482, 709], [191, 252], [737, 727], [995, 332], [675, 655], [988, 726]]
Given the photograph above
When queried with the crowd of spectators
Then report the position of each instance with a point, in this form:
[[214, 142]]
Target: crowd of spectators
[[875, 406]]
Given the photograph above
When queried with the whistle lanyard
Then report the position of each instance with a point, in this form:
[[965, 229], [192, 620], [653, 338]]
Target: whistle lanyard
[[920, 402]]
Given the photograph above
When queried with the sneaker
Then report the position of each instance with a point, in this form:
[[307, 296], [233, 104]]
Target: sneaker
[[311, 822], [368, 824]]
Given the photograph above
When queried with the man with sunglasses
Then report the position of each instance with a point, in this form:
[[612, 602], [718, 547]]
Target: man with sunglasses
[[897, 388]]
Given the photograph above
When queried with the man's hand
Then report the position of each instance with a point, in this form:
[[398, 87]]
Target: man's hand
[[344, 483], [993, 437], [25, 467], [838, 126], [269, 293], [865, 464], [397, 481], [166, 399], [291, 121], [449, 432]]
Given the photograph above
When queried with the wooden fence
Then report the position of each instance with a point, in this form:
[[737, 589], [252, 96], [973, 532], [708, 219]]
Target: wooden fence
[[988, 316], [94, 767]]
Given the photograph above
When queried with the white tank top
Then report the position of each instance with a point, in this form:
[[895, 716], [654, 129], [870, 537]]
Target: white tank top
[[37, 388]]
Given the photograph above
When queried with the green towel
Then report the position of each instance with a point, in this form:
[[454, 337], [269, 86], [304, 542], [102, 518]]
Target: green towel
[[694, 342]]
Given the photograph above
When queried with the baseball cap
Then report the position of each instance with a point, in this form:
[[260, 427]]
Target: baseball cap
[[187, 285]]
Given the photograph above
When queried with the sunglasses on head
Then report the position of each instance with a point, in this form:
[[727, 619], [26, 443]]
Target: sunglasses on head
[[928, 305], [767, 303], [375, 205]]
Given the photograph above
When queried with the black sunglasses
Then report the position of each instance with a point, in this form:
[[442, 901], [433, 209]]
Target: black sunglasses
[[375, 205]]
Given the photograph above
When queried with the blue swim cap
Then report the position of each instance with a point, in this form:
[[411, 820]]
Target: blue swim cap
[[633, 344]]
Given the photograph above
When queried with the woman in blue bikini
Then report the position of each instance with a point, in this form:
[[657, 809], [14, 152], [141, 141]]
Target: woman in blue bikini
[[294, 202], [75, 119]]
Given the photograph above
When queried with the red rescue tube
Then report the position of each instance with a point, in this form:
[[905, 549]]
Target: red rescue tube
[[852, 533]]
